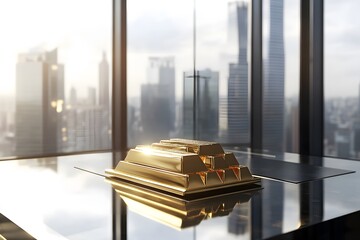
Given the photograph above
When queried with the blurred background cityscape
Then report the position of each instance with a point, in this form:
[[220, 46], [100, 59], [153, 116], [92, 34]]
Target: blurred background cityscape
[[40, 120], [54, 102]]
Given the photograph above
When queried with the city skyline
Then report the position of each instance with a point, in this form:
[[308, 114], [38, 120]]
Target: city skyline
[[88, 119], [85, 84], [68, 36], [45, 121]]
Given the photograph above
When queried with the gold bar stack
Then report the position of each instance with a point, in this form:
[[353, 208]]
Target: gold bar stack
[[182, 167]]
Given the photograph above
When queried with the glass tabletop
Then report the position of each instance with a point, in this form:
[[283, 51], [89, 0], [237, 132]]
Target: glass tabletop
[[50, 198]]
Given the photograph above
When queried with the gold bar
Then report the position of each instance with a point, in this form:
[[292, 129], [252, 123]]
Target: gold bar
[[211, 178], [245, 173], [153, 177], [200, 147], [180, 162], [215, 162], [231, 176], [167, 146], [231, 159]]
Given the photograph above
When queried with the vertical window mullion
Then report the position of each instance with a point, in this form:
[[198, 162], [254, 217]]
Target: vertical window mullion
[[119, 96], [311, 78]]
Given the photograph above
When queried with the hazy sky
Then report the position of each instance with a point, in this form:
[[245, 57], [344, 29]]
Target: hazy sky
[[342, 48], [82, 30], [171, 21]]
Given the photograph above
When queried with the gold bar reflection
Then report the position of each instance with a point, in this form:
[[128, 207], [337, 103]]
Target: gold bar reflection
[[177, 212]]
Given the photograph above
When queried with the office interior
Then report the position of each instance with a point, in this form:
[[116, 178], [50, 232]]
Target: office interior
[[275, 82]]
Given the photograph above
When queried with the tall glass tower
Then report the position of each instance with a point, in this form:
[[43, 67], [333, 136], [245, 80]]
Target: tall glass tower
[[104, 125], [273, 92], [238, 97], [158, 100]]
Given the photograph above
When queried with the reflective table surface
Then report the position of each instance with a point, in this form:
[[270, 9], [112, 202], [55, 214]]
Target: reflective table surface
[[50, 198]]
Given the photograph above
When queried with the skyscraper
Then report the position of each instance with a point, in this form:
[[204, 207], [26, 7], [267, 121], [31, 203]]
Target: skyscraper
[[343, 141], [91, 100], [104, 125], [238, 97], [88, 124], [39, 103], [157, 110], [273, 114], [273, 92], [104, 98], [162, 72], [85, 123], [207, 105], [292, 125]]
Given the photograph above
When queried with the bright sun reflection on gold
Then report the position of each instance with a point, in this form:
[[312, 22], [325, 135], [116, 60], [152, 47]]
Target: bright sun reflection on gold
[[147, 151]]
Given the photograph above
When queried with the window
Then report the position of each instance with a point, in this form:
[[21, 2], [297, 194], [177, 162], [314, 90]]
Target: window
[[341, 79], [159, 52], [281, 41], [185, 90], [225, 68], [55, 75], [55, 71]]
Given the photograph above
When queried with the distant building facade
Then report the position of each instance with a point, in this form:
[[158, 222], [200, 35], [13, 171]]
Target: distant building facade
[[238, 92], [88, 120], [273, 91], [39, 103], [206, 108], [157, 107], [104, 104]]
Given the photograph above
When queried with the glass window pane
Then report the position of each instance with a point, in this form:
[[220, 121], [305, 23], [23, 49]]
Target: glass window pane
[[200, 109], [341, 79], [281, 41], [55, 71], [222, 58], [160, 52]]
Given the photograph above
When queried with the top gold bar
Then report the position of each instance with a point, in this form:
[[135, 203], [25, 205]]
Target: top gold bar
[[202, 148], [171, 160]]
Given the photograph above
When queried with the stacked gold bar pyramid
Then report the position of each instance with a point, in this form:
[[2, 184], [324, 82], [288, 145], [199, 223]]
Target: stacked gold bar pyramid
[[182, 167]]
